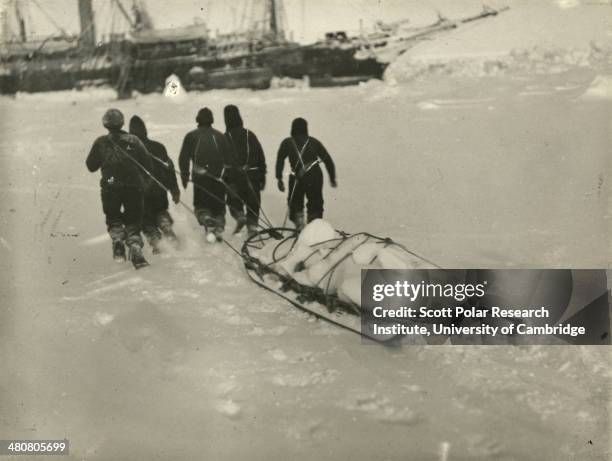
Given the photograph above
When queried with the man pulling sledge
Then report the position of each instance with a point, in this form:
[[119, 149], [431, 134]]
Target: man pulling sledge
[[123, 161], [246, 177], [306, 179], [203, 157], [157, 222]]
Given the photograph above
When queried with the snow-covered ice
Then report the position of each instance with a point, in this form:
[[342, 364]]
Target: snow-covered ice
[[190, 353]]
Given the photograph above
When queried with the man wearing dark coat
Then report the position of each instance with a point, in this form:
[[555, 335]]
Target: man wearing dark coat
[[306, 178], [246, 176], [123, 161], [203, 157], [157, 221]]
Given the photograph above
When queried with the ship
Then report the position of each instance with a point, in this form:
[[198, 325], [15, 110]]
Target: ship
[[140, 57], [342, 59], [59, 61]]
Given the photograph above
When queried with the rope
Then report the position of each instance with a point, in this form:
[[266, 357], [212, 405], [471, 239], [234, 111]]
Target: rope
[[230, 190], [160, 184], [205, 172], [50, 18], [305, 294], [246, 173]]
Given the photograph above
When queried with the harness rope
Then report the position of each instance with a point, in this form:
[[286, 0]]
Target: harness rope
[[204, 171], [160, 184], [299, 153], [246, 170]]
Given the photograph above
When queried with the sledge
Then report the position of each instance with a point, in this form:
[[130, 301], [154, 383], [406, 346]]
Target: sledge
[[319, 270]]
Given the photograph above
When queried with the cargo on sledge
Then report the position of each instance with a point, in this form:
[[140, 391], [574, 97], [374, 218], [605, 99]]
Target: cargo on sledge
[[319, 269]]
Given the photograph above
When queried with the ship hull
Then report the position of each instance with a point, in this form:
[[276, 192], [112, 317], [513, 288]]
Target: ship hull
[[324, 66], [57, 72]]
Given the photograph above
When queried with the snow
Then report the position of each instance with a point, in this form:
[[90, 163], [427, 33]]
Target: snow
[[508, 171], [600, 88], [529, 38]]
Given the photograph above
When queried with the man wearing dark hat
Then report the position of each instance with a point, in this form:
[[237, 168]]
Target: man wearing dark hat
[[306, 179], [157, 221], [203, 156], [123, 161], [247, 175]]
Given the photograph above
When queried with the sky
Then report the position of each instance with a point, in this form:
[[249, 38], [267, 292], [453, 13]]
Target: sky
[[308, 20]]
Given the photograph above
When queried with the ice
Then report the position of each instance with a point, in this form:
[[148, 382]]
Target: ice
[[5, 244], [350, 290], [98, 239], [535, 60], [427, 105], [306, 379], [104, 318], [215, 354], [318, 274], [228, 408], [389, 258], [600, 88], [279, 355], [366, 253], [315, 232]]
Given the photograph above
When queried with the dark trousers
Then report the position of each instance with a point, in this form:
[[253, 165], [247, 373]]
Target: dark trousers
[[310, 186], [156, 220], [209, 203], [244, 198], [123, 207]]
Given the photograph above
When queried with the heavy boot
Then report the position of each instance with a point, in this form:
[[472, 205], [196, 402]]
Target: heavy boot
[[251, 230], [165, 226], [137, 257], [240, 223], [219, 234], [155, 249], [298, 221], [119, 251]]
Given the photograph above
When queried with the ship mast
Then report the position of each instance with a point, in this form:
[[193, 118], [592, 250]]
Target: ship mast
[[273, 22], [23, 36], [88, 28], [274, 11], [142, 18]]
